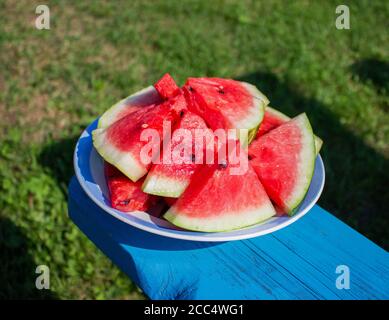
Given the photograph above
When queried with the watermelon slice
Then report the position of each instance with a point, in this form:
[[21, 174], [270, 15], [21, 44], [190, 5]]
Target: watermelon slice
[[145, 97], [219, 200], [271, 120], [284, 159], [126, 195], [120, 144], [171, 179], [166, 87], [274, 118], [226, 103]]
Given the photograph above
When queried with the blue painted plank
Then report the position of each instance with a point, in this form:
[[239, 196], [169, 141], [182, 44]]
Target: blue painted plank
[[297, 262]]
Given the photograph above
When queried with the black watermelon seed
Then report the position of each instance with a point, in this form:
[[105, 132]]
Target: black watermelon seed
[[223, 165], [221, 91], [124, 202]]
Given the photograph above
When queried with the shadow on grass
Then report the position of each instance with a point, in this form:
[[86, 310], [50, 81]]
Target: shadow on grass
[[356, 175], [17, 269], [57, 158], [374, 71]]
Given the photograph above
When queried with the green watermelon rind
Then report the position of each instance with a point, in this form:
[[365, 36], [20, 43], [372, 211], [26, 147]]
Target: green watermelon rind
[[306, 164], [111, 115], [318, 140], [252, 134], [227, 222], [277, 113], [121, 160], [164, 186], [318, 144]]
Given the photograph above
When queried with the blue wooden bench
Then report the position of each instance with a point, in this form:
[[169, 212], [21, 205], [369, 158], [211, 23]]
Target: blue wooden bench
[[300, 261]]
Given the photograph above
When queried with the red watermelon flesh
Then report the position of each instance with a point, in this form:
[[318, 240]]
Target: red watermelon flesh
[[166, 87], [274, 118], [120, 144], [126, 195], [271, 120], [225, 103], [171, 179], [284, 160], [212, 116], [217, 200], [145, 97]]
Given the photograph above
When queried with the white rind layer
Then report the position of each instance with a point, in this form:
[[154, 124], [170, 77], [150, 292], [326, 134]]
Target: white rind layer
[[255, 112], [277, 113], [112, 114], [124, 161], [222, 222], [306, 163], [164, 186]]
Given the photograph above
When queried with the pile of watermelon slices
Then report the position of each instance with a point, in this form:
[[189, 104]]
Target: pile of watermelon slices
[[280, 155]]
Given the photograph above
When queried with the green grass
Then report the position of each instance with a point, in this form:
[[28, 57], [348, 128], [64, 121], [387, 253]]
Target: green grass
[[53, 83]]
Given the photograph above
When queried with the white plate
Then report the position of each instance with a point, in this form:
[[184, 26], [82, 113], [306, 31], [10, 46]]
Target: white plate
[[88, 166]]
